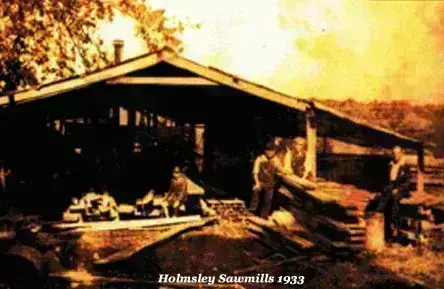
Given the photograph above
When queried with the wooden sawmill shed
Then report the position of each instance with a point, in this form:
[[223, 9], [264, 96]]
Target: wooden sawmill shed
[[236, 115]]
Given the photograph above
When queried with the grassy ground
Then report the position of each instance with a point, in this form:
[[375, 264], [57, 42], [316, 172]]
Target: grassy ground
[[423, 264]]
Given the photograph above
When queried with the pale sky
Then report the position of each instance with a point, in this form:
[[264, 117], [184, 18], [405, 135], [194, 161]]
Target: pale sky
[[337, 49]]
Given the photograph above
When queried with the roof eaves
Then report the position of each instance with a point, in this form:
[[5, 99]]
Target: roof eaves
[[77, 82], [236, 82], [361, 122]]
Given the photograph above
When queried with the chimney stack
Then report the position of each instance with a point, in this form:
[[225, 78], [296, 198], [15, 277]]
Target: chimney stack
[[118, 51]]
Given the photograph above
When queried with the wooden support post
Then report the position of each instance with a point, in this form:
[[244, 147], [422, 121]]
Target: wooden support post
[[208, 149], [123, 116], [311, 134], [62, 126], [117, 115], [143, 124], [193, 135], [138, 118], [11, 99], [131, 117], [155, 121], [114, 115], [148, 120], [420, 174]]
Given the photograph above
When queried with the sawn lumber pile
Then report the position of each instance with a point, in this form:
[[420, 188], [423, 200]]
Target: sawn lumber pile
[[333, 215], [422, 216], [232, 210]]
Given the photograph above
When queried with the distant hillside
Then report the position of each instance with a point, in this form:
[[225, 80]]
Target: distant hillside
[[422, 122]]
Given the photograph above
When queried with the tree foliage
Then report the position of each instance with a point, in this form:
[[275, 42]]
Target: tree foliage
[[424, 122], [41, 39]]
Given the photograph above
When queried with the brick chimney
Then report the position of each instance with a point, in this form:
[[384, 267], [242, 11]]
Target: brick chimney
[[118, 50]]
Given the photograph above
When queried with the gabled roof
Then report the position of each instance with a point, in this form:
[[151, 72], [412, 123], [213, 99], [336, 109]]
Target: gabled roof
[[209, 73], [149, 60]]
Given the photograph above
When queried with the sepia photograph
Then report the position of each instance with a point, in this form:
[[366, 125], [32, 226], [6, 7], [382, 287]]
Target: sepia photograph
[[230, 144]]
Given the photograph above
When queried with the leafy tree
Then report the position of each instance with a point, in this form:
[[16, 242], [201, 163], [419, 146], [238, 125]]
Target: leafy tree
[[41, 39]]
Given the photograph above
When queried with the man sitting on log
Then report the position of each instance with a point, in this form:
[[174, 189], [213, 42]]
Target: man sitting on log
[[265, 169], [397, 189], [176, 196]]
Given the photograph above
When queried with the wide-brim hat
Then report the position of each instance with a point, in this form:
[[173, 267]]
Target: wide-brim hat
[[270, 146], [177, 169]]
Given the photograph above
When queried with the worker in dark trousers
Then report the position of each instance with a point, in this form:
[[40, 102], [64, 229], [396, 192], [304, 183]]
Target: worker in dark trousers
[[264, 177], [397, 189]]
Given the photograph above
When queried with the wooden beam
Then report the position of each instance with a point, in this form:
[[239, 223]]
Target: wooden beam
[[199, 81], [311, 132], [238, 83], [420, 172], [59, 87]]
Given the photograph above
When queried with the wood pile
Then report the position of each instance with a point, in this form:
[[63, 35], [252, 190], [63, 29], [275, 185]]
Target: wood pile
[[422, 216], [433, 177], [232, 210], [333, 215], [279, 239]]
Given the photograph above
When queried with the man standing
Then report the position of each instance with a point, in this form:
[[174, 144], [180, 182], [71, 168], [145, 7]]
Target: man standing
[[3, 177], [264, 178], [396, 189], [296, 160]]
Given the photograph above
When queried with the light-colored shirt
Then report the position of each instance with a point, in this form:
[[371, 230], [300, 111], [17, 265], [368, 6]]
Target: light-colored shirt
[[265, 169], [394, 169], [289, 159]]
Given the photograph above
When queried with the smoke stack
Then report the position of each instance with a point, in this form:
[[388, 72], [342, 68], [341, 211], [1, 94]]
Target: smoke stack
[[118, 50]]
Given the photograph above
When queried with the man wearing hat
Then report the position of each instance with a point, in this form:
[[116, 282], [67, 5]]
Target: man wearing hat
[[264, 177], [177, 193]]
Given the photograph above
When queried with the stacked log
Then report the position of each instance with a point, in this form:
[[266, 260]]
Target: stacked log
[[333, 214]]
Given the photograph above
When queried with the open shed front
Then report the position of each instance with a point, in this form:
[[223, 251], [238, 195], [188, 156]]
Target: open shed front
[[215, 131], [210, 121]]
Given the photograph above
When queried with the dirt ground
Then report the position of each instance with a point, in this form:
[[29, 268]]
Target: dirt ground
[[224, 248], [424, 264]]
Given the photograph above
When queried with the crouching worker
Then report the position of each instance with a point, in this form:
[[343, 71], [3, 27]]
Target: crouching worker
[[396, 189], [146, 204], [92, 207], [176, 196], [108, 207]]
